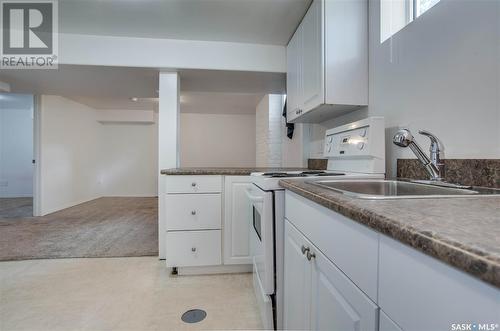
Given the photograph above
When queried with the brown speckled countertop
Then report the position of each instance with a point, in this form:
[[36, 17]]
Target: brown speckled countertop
[[224, 171], [462, 232]]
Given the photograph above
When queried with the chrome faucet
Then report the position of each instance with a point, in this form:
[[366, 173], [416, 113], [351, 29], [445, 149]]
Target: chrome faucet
[[433, 165]]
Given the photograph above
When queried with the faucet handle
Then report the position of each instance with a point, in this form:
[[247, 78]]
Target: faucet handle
[[433, 138]]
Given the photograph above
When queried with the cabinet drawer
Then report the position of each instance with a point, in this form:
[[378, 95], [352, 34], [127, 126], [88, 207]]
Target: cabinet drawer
[[194, 184], [350, 245], [193, 211], [193, 248]]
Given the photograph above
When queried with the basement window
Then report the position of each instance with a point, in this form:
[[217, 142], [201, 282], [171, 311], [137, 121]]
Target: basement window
[[396, 14]]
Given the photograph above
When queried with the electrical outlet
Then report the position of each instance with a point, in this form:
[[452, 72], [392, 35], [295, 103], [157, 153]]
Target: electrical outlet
[[4, 183]]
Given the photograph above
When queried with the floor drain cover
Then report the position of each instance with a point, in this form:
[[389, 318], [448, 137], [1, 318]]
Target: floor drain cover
[[194, 316]]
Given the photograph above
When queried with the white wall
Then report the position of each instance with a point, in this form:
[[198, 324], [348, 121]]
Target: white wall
[[82, 159], [69, 153], [16, 145], [129, 159], [268, 126], [440, 73], [217, 140], [295, 151]]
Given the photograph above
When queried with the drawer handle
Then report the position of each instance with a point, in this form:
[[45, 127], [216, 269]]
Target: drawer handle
[[305, 249], [310, 256], [193, 212], [193, 184], [193, 249]]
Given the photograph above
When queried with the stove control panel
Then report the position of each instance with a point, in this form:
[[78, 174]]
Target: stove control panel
[[355, 143], [347, 143]]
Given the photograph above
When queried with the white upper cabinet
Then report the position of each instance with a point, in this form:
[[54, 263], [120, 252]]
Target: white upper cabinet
[[292, 77], [327, 61], [313, 91]]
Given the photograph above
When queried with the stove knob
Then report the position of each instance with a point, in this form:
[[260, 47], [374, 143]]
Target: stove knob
[[361, 146], [330, 139], [362, 133], [329, 148]]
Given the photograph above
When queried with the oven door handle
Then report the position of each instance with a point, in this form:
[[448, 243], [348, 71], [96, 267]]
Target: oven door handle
[[254, 198]]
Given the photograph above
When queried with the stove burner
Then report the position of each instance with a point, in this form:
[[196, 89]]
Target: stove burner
[[331, 174], [282, 174], [313, 172]]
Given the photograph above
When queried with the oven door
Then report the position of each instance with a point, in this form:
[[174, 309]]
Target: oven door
[[262, 236]]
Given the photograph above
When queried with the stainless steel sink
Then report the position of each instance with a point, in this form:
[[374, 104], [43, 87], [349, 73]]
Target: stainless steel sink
[[397, 189]]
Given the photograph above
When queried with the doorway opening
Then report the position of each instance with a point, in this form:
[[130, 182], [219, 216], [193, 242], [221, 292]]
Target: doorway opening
[[17, 165]]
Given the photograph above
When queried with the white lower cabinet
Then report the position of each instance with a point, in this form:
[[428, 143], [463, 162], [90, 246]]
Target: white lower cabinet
[[194, 248], [361, 280], [297, 278], [193, 221], [419, 292], [193, 211], [318, 296], [237, 219], [207, 221]]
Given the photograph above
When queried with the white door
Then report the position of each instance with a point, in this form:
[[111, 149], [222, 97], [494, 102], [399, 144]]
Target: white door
[[237, 220], [294, 75], [297, 279], [312, 57], [336, 303]]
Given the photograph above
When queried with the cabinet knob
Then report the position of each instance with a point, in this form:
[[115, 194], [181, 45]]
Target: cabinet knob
[[193, 249], [193, 184], [193, 212], [310, 256], [305, 249]]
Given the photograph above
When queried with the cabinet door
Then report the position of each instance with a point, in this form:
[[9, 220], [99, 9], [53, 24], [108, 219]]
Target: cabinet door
[[312, 57], [293, 75], [237, 219], [336, 303], [411, 281], [297, 279]]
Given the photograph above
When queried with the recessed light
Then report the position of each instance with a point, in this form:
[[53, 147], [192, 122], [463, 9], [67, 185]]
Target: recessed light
[[148, 100]]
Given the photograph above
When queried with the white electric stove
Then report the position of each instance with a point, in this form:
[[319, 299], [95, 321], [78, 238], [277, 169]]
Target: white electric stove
[[354, 151]]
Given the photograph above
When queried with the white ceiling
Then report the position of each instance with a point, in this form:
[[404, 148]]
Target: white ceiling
[[204, 91], [247, 21]]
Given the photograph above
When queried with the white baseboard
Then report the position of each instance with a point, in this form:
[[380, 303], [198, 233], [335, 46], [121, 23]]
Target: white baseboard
[[130, 196], [75, 203], [218, 269], [9, 196], [67, 205]]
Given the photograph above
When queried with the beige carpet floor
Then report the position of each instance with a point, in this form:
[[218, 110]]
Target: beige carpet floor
[[105, 227], [16, 207]]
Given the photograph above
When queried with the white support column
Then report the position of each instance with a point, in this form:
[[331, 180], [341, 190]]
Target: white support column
[[168, 143]]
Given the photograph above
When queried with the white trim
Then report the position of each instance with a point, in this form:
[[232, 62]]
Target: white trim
[[37, 152], [211, 270]]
